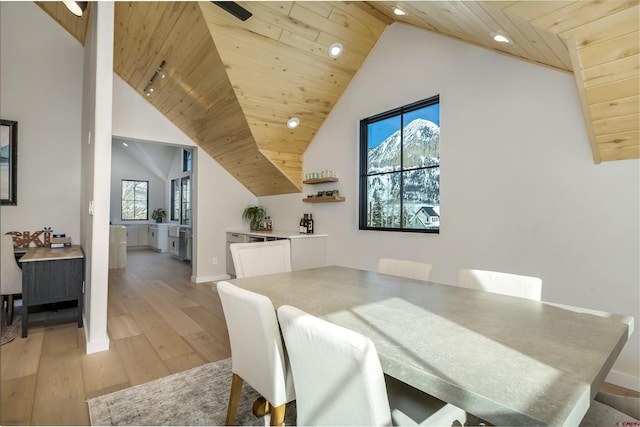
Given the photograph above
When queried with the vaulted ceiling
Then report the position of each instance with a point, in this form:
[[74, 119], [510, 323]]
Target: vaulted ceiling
[[231, 85]]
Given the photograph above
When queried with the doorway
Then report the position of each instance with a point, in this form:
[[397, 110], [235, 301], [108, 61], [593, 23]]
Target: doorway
[[158, 167]]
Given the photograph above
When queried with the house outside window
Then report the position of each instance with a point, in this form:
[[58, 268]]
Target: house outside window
[[135, 200], [400, 169]]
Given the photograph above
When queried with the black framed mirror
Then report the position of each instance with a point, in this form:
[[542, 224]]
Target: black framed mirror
[[8, 162]]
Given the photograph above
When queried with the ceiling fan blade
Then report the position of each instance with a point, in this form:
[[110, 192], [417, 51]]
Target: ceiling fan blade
[[234, 8]]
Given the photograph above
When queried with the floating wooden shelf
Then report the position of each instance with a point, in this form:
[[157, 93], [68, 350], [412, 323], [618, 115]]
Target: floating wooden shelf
[[320, 180], [324, 199]]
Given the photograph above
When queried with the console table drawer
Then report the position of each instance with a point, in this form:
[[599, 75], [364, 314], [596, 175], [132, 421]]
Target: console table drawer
[[49, 282]]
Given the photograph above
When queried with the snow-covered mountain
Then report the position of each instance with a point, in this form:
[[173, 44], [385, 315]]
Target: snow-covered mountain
[[421, 148], [421, 186]]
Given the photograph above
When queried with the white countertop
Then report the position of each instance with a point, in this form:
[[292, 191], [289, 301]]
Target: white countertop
[[282, 234], [150, 223]]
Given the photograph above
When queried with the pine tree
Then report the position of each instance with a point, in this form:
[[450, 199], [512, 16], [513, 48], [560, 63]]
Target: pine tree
[[376, 213]]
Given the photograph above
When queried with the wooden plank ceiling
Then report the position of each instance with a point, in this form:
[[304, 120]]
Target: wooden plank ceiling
[[232, 85]]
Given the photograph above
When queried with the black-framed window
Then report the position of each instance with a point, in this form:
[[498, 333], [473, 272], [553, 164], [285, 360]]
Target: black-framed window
[[181, 200], [175, 199], [135, 200], [185, 195], [400, 169], [186, 160]]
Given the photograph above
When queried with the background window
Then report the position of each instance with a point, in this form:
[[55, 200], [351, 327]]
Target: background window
[[186, 160], [400, 169], [185, 211], [181, 200], [135, 200], [175, 199]]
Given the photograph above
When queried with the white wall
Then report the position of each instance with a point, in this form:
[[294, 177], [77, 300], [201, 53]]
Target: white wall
[[218, 199], [519, 190], [123, 166], [41, 88]]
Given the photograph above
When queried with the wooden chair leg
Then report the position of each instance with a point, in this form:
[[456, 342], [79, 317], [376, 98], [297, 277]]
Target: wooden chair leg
[[234, 399], [277, 415], [10, 310], [260, 407]]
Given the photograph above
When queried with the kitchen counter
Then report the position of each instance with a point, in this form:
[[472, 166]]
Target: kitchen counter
[[117, 246], [276, 234], [307, 250]]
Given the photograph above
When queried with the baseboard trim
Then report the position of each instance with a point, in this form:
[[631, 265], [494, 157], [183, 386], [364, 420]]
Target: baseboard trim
[[623, 380], [97, 346], [94, 346], [203, 279]]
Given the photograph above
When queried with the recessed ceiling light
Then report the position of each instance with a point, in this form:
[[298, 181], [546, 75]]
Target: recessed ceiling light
[[398, 11], [293, 123], [501, 38], [125, 144], [76, 7], [335, 50]]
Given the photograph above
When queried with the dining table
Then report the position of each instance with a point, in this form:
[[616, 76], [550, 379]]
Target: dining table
[[507, 360]]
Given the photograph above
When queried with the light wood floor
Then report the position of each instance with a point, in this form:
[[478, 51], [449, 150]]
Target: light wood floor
[[159, 323]]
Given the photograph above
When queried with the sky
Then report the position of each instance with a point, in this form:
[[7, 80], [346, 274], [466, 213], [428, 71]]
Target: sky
[[379, 131]]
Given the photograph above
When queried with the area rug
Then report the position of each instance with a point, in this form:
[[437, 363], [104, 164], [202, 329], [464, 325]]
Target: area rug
[[9, 332], [198, 396]]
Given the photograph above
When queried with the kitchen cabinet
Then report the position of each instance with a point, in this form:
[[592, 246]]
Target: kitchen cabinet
[[158, 237], [143, 235], [307, 250], [132, 235], [117, 246], [173, 246], [179, 242], [137, 235]]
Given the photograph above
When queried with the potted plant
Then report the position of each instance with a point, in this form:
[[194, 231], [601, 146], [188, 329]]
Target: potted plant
[[253, 215], [159, 214]]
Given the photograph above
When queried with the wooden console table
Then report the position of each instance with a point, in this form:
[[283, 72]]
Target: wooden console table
[[52, 276]]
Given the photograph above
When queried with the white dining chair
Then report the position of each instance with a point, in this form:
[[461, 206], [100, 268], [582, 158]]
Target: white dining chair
[[600, 414], [10, 275], [257, 354], [339, 379], [404, 268], [501, 283], [258, 258], [629, 405]]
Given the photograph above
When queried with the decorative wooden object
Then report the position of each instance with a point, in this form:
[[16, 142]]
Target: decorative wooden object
[[24, 239]]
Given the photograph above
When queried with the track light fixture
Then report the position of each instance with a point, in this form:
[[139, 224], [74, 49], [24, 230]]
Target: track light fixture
[[149, 87], [76, 7], [234, 8]]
